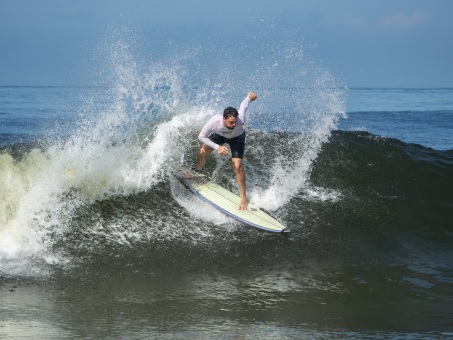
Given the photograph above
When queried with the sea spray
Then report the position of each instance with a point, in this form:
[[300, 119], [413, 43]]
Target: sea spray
[[294, 95], [290, 169], [105, 156], [132, 134]]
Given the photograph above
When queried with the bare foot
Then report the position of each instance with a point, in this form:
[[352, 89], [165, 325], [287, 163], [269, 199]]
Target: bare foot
[[190, 174], [186, 174], [242, 205]]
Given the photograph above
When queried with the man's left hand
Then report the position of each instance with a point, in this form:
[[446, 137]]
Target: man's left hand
[[252, 96]]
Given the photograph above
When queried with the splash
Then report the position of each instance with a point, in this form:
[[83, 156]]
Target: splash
[[121, 145], [302, 99], [313, 120], [133, 133]]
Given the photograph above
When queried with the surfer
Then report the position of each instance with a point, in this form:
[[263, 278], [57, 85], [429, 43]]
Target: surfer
[[227, 128]]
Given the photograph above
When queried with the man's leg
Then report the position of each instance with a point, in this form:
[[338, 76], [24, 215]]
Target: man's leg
[[203, 155], [240, 178]]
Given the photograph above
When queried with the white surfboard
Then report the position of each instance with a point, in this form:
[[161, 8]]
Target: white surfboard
[[227, 202]]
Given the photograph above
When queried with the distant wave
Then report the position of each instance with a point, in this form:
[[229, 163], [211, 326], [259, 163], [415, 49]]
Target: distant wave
[[402, 112]]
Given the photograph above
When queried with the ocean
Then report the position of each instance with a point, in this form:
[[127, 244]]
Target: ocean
[[98, 240]]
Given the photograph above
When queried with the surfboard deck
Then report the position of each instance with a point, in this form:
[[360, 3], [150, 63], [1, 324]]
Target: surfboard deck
[[228, 202]]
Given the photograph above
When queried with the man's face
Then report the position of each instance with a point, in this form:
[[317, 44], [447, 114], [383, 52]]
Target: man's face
[[230, 122]]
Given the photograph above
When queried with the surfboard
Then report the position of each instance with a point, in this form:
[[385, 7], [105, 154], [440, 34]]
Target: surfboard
[[228, 202]]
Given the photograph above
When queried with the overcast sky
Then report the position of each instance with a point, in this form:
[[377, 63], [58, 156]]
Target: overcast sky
[[395, 43]]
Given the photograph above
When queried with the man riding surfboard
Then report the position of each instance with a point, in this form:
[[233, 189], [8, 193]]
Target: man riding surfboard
[[227, 128]]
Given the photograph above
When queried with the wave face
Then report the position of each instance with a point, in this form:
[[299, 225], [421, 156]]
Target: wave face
[[366, 199], [395, 197]]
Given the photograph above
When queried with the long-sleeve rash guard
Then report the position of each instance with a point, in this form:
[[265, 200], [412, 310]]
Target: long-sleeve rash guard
[[215, 124]]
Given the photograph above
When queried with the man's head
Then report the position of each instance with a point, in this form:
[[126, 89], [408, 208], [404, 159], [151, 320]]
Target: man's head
[[230, 115]]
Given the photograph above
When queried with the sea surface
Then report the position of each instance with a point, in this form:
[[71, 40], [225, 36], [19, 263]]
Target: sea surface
[[98, 240]]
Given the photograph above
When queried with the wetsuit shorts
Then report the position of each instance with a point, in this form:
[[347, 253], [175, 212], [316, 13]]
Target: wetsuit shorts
[[237, 144]]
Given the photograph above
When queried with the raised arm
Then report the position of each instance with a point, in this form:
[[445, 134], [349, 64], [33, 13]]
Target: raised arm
[[244, 106]]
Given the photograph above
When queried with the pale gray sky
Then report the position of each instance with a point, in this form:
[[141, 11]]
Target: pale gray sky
[[362, 43]]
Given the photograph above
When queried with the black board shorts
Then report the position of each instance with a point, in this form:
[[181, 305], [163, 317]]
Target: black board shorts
[[237, 144]]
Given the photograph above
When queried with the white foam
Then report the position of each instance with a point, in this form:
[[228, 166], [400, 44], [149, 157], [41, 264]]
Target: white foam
[[195, 206], [103, 158], [290, 171], [322, 194]]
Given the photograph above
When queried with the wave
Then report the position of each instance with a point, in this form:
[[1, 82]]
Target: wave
[[105, 190], [396, 202], [367, 197], [422, 126], [103, 180]]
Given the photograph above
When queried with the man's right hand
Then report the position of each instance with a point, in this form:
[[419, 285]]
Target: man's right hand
[[222, 150]]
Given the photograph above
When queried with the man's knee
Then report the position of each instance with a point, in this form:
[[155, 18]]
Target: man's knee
[[237, 165], [205, 150]]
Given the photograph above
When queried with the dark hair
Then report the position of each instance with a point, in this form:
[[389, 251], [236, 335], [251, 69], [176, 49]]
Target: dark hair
[[230, 112]]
